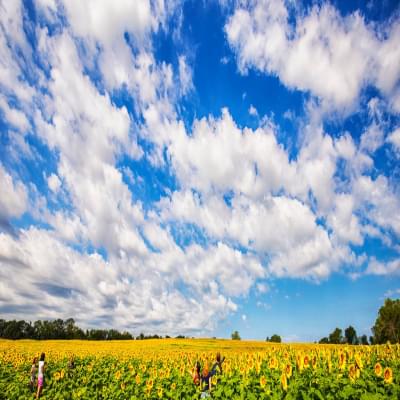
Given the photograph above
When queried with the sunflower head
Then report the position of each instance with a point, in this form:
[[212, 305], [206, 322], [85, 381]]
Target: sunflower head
[[288, 370], [263, 381], [352, 372], [388, 375], [378, 369]]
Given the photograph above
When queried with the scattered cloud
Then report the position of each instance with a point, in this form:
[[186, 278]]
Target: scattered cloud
[[332, 56], [125, 204]]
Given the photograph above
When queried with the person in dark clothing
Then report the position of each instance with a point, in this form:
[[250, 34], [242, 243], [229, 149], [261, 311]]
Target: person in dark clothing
[[203, 378]]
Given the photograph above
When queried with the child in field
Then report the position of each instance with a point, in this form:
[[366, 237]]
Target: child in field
[[203, 378], [40, 375], [33, 374]]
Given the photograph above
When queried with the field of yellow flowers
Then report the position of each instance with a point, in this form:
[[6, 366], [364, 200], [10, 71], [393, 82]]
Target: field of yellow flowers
[[160, 369]]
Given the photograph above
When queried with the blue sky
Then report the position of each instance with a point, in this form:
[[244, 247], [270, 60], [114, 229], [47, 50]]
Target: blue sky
[[199, 167]]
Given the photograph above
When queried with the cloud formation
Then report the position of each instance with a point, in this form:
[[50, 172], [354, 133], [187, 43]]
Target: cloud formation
[[120, 210], [332, 56]]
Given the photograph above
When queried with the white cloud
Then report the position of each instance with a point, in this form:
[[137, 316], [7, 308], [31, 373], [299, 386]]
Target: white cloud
[[54, 183], [332, 56], [394, 139], [208, 159], [343, 220], [262, 213], [64, 282], [14, 116], [185, 75], [253, 111], [107, 22], [14, 196], [378, 202], [392, 293], [262, 288], [371, 139], [376, 267]]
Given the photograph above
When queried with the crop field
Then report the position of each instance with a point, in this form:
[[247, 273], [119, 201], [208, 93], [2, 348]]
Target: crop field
[[160, 369]]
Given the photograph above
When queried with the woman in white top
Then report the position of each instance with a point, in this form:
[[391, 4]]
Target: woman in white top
[[40, 375]]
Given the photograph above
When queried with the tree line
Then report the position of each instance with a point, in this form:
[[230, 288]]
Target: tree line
[[386, 328], [64, 329]]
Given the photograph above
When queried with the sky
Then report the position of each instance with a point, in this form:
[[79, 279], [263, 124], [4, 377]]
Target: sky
[[199, 167]]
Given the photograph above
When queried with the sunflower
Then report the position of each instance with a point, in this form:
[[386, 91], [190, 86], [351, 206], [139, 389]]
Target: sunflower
[[284, 381], [173, 386], [160, 392], [288, 370], [137, 379], [388, 375], [273, 363], [352, 373], [342, 361], [300, 363], [358, 361], [263, 381], [118, 375]]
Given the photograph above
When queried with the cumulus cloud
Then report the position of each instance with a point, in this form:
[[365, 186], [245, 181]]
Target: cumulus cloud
[[332, 56], [394, 139], [249, 210], [64, 282], [14, 196], [376, 267]]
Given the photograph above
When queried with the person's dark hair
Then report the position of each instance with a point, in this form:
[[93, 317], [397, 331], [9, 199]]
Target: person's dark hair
[[34, 361], [42, 356], [218, 357]]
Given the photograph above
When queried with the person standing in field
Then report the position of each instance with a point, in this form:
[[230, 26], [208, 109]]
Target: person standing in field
[[33, 375], [203, 378], [40, 375]]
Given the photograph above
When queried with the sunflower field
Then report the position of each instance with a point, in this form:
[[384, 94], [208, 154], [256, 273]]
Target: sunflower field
[[161, 369]]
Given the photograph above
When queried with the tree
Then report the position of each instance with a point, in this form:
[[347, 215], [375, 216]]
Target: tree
[[364, 340], [371, 340], [336, 336], [274, 338], [324, 340], [350, 335], [387, 325], [235, 335]]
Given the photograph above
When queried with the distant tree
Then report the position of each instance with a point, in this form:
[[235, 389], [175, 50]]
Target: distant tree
[[371, 340], [387, 325], [324, 340], [350, 335], [235, 335], [336, 336], [274, 338], [364, 340]]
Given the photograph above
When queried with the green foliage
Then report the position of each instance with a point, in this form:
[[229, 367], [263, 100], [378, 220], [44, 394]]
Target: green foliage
[[351, 335], [387, 325], [336, 336], [274, 339], [235, 335]]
